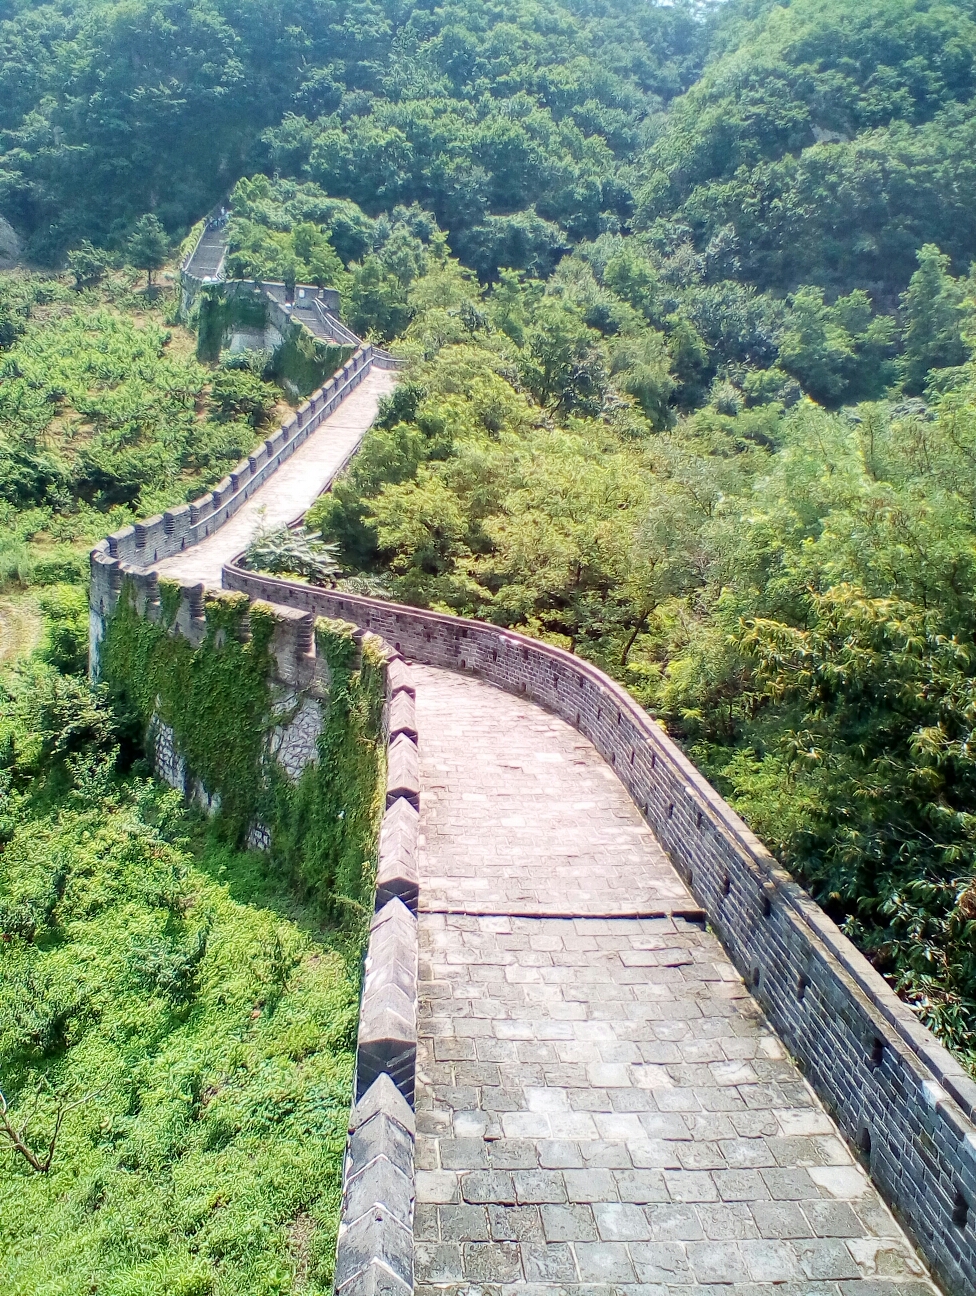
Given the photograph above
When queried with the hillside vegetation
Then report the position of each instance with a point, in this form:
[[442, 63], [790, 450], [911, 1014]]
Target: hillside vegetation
[[176, 1030], [687, 300]]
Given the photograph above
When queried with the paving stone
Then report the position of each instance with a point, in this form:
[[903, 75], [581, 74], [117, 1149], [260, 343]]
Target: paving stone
[[781, 1220], [619, 1222], [826, 1258], [492, 1262], [491, 1186], [674, 1223], [770, 1261], [462, 1154], [641, 1186], [722, 1220], [717, 1262], [539, 1186], [740, 1185], [665, 1262], [513, 1154], [604, 1262], [590, 1185], [436, 1186], [552, 1263], [515, 1224], [437, 1261], [568, 1223], [463, 1223], [560, 1154], [833, 1219]]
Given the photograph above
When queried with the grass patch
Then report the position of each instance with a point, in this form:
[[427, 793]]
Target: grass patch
[[21, 625]]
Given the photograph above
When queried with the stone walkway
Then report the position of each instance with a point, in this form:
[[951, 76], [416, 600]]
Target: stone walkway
[[600, 1104], [529, 818], [292, 489]]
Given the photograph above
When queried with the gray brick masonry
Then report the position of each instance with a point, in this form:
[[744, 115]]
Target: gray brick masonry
[[387, 1038], [402, 771], [375, 1245], [396, 872]]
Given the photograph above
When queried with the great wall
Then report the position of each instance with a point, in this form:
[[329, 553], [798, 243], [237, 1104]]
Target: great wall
[[605, 1041]]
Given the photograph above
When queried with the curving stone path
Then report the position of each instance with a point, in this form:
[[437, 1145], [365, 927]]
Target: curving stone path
[[600, 1105], [292, 489], [531, 819]]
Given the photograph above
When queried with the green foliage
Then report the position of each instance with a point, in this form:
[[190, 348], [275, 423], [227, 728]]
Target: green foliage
[[114, 111], [106, 417], [95, 407], [55, 732], [377, 301], [88, 264], [932, 311], [560, 365], [325, 830], [201, 1024], [240, 394], [293, 551], [65, 609], [303, 362], [831, 140], [269, 240], [839, 352], [148, 245]]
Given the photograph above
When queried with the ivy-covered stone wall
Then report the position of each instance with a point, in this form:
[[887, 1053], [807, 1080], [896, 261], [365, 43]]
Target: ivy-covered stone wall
[[278, 732]]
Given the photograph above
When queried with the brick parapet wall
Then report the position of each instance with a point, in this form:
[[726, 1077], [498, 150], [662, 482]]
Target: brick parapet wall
[[901, 1099]]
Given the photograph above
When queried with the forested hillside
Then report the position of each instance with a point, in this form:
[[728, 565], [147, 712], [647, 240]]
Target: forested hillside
[[686, 296]]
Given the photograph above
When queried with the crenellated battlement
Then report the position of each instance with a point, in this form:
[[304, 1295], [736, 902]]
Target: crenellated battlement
[[171, 532]]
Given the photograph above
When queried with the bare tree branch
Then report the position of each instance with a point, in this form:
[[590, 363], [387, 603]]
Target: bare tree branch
[[17, 1138]]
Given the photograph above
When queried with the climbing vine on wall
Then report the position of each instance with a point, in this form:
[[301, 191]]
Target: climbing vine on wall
[[219, 700], [325, 827]]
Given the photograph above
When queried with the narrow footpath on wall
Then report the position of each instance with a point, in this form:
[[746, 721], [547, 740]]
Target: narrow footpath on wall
[[599, 1103]]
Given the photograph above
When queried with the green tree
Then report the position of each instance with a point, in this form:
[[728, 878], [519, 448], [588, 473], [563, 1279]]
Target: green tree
[[932, 315], [148, 245], [377, 300], [88, 264], [837, 352], [561, 363]]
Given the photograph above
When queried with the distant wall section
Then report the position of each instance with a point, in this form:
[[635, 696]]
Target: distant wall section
[[233, 316]]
